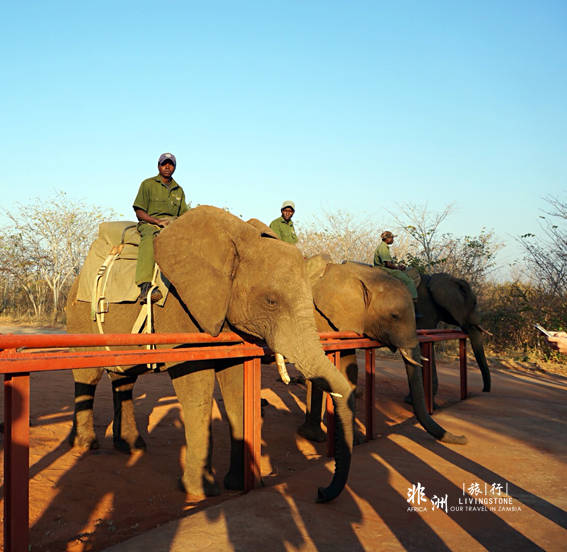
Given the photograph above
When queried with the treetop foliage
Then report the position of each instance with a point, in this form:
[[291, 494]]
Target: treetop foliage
[[44, 246]]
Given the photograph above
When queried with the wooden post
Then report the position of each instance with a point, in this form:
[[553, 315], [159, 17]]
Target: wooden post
[[335, 358], [252, 423], [463, 367], [16, 461], [369, 391], [427, 351]]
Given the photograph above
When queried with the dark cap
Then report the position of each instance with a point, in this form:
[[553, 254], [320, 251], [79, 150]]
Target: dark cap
[[387, 234], [167, 157]]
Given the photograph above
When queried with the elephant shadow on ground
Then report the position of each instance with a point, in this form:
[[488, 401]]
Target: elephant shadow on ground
[[109, 493], [540, 505], [409, 527]]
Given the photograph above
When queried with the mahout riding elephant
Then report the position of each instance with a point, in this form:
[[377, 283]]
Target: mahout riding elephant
[[227, 274], [444, 298], [367, 300]]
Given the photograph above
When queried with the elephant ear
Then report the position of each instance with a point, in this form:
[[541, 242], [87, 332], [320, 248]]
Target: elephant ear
[[197, 255], [454, 296], [341, 298], [315, 267], [265, 231]]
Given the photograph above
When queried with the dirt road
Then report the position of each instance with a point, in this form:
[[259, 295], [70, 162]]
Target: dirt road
[[88, 500]]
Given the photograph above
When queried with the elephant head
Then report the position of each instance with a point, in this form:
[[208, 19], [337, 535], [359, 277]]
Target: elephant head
[[443, 297], [228, 271], [367, 300]]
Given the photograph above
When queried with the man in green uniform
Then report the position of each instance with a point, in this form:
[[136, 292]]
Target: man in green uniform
[[383, 259], [283, 226], [159, 201]]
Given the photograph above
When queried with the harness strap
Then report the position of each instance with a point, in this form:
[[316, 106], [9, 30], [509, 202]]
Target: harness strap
[[99, 304], [97, 299]]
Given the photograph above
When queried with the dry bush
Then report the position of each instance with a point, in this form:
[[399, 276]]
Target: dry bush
[[344, 238], [42, 251], [510, 311]]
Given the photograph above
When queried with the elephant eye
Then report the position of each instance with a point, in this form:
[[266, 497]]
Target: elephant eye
[[271, 301], [395, 316]]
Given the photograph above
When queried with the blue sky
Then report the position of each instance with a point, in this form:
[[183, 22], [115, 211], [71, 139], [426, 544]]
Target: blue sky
[[337, 105]]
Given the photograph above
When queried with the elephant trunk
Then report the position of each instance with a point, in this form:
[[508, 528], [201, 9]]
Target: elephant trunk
[[415, 380], [306, 353], [475, 336]]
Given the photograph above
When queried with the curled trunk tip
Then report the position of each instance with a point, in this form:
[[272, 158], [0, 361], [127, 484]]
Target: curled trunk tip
[[453, 439]]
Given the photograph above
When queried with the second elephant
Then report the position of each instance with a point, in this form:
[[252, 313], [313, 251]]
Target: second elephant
[[355, 297]]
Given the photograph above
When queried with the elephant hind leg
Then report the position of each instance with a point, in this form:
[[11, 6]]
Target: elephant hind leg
[[125, 434]]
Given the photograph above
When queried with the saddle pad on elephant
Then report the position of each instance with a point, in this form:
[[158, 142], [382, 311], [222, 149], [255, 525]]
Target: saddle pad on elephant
[[121, 239]]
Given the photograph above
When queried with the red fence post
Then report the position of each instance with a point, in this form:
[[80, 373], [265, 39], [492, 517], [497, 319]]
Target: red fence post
[[463, 367], [16, 461], [335, 358], [252, 423], [427, 351], [369, 395]]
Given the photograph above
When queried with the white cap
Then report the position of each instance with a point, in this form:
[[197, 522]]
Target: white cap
[[288, 203]]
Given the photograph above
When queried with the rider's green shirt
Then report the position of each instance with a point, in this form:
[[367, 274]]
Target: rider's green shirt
[[382, 254], [157, 199], [284, 230]]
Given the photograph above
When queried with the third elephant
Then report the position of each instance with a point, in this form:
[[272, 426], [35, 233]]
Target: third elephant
[[444, 298]]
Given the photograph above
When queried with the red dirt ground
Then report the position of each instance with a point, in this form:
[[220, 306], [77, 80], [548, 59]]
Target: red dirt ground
[[88, 500]]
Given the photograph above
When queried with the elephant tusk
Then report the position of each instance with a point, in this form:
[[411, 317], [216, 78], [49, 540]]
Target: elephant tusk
[[485, 331], [337, 395], [282, 368], [424, 359], [407, 358]]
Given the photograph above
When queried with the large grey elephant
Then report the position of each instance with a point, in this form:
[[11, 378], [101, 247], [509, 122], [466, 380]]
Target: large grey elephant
[[368, 301], [444, 298], [226, 273]]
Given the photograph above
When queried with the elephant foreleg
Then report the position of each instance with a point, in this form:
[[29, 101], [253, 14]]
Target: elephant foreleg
[[416, 354], [125, 434], [230, 378], [194, 385], [311, 428], [83, 433]]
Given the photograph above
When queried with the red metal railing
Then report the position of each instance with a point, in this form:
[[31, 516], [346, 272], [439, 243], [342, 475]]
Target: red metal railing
[[19, 356]]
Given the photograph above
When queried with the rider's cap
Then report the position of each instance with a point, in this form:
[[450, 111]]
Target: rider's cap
[[289, 204], [167, 157]]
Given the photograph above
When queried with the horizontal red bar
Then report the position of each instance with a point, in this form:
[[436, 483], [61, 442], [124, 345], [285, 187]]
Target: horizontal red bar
[[360, 343], [439, 330], [14, 341], [11, 363], [441, 337]]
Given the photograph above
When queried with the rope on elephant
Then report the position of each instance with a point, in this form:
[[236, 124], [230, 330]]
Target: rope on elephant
[[144, 321], [99, 304]]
